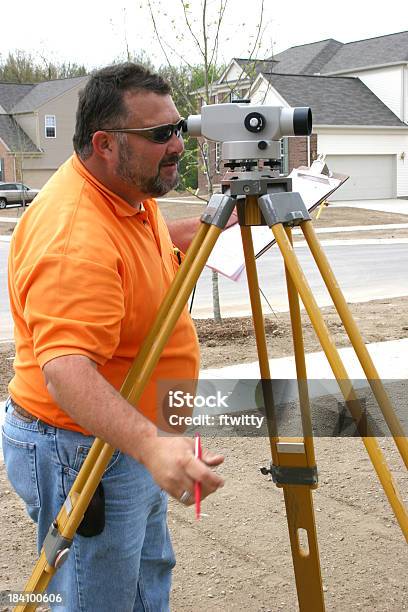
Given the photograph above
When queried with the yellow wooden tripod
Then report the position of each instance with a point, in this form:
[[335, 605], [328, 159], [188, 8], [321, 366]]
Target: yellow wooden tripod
[[259, 200]]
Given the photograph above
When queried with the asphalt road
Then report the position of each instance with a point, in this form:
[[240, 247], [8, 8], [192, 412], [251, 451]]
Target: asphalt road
[[364, 272], [5, 317]]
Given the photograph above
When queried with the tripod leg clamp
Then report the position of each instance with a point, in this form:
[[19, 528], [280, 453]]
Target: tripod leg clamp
[[56, 547], [219, 210], [287, 208], [292, 475]]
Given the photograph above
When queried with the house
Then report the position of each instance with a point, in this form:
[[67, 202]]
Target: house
[[36, 128], [358, 93]]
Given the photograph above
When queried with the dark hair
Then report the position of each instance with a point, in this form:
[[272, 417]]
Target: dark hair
[[101, 101]]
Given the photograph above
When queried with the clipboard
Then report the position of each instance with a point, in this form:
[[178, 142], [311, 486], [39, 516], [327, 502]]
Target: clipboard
[[314, 184]]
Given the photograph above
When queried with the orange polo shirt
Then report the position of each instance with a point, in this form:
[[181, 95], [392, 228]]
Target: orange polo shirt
[[87, 274]]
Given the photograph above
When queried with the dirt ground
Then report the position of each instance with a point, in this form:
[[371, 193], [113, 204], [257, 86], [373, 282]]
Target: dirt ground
[[238, 556]]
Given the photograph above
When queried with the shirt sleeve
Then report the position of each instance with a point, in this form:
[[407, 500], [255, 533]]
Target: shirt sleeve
[[72, 306]]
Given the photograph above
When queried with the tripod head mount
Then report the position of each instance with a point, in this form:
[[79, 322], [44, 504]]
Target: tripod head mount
[[249, 131]]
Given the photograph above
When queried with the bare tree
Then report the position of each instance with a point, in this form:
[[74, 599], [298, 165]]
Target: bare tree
[[21, 67], [204, 31]]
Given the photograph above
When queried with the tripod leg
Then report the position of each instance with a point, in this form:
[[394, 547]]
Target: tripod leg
[[298, 498], [356, 340], [372, 447], [307, 522], [299, 351], [60, 537], [257, 317], [305, 552]]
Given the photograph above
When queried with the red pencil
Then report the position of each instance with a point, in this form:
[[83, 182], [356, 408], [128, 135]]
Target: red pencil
[[197, 485]]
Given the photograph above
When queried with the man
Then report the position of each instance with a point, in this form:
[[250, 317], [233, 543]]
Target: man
[[90, 263]]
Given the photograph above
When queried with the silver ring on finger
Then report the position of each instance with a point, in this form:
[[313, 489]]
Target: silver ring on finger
[[185, 497]]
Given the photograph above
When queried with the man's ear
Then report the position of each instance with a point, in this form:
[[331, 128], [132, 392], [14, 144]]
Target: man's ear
[[103, 144]]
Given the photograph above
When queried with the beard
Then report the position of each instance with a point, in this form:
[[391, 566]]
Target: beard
[[129, 169]]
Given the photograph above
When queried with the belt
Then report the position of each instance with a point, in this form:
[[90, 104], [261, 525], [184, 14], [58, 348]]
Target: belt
[[21, 413]]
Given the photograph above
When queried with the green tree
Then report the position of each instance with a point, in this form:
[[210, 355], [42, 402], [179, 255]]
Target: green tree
[[185, 80]]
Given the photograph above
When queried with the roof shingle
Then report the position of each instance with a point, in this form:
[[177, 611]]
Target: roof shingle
[[14, 137], [371, 52], [306, 59], [43, 92], [327, 56], [11, 93], [334, 100]]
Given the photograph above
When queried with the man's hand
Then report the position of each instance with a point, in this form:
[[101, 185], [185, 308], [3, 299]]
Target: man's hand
[[173, 466], [78, 388], [183, 231]]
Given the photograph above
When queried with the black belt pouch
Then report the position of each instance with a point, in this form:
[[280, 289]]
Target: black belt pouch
[[93, 522]]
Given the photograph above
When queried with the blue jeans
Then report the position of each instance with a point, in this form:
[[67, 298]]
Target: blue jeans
[[128, 566]]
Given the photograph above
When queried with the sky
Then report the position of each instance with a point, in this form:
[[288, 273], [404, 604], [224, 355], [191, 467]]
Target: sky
[[96, 33]]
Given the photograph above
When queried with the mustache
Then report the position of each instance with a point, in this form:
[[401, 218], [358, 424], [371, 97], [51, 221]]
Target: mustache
[[170, 159]]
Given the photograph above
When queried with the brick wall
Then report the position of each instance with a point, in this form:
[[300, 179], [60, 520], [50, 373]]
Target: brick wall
[[298, 151], [8, 164]]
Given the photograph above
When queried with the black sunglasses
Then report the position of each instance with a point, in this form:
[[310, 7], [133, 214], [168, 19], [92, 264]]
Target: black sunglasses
[[159, 133]]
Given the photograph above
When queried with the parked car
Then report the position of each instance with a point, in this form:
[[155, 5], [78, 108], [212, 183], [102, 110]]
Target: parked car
[[16, 193]]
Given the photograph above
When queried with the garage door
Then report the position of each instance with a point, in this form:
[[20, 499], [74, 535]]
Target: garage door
[[371, 176]]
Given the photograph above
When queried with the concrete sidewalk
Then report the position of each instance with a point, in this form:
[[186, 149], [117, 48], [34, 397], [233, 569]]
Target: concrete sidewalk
[[389, 359], [393, 205]]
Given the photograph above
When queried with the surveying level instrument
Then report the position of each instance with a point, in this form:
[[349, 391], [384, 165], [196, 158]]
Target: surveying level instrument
[[262, 197]]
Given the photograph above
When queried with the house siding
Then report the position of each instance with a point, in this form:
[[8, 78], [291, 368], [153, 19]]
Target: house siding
[[386, 84], [8, 161], [266, 94], [28, 122], [235, 72], [37, 178], [359, 142], [57, 150], [38, 169]]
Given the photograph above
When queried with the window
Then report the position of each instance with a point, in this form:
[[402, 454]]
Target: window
[[1, 169], [235, 95], [50, 126]]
